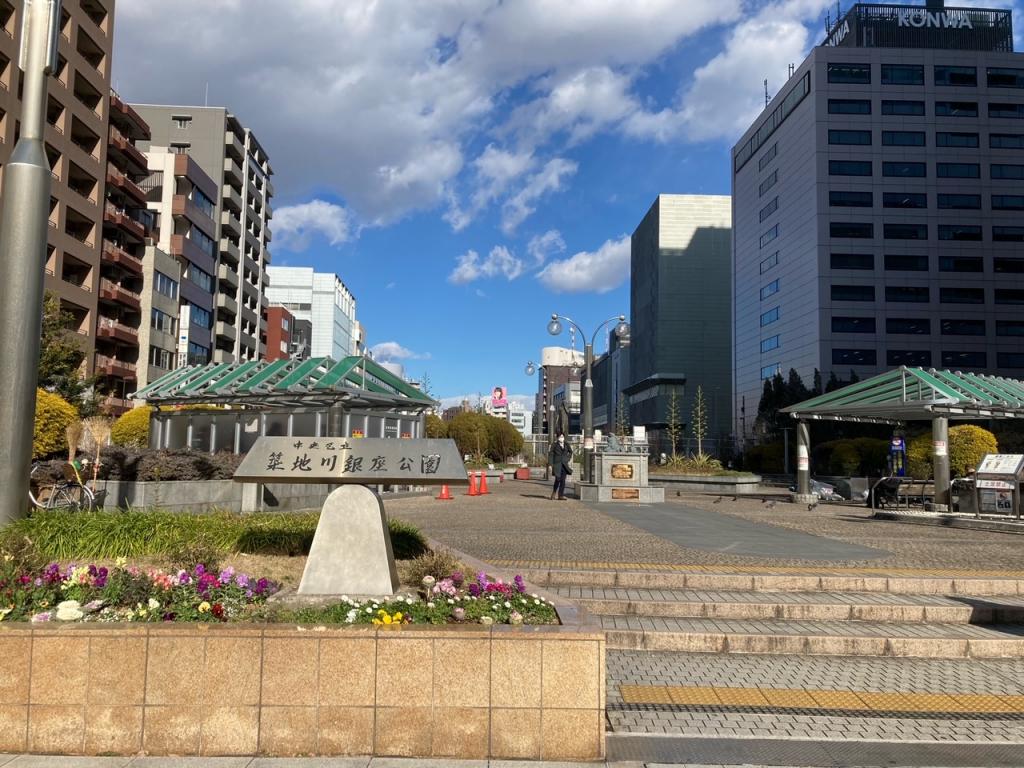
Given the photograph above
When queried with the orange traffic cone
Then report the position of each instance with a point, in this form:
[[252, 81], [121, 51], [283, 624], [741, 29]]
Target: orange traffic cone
[[446, 494], [483, 484], [472, 485]]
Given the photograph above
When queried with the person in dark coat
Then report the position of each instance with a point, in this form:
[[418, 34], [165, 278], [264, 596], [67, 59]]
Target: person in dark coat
[[560, 461]]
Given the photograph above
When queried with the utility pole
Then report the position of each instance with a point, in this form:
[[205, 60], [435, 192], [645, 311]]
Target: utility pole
[[23, 229]]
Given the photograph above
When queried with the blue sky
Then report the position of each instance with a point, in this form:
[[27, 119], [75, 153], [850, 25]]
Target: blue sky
[[470, 166]]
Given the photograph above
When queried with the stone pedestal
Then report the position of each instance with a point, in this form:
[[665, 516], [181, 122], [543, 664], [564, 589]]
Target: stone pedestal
[[620, 477]]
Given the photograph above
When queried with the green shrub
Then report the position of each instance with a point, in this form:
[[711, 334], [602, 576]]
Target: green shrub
[[407, 541], [53, 415], [967, 445], [845, 459], [187, 465], [439, 563], [767, 458], [132, 428]]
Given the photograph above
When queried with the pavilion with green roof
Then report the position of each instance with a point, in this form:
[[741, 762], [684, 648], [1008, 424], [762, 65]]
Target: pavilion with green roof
[[911, 394], [227, 406]]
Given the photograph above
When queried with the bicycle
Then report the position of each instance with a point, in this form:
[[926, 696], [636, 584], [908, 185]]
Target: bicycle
[[69, 494]]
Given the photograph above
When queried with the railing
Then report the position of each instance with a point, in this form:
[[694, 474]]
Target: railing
[[117, 251], [106, 322], [82, 285], [110, 285], [102, 361]]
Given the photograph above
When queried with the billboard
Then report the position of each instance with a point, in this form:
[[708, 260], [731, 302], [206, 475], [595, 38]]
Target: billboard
[[499, 397]]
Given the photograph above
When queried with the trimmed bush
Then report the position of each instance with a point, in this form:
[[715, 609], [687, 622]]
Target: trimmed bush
[[968, 444], [53, 415], [187, 465], [131, 429], [765, 458]]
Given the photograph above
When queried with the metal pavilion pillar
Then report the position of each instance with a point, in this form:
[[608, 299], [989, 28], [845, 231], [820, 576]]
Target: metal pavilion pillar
[[940, 461]]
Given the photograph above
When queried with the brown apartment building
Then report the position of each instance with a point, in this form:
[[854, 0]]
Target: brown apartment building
[[76, 145]]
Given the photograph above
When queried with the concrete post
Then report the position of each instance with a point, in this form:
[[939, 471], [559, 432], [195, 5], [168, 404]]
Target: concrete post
[[336, 421], [803, 465], [940, 461]]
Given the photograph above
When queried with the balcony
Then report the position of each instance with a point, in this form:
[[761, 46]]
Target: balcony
[[249, 289], [111, 366], [114, 254], [227, 330], [229, 223], [232, 198], [108, 328], [269, 191], [234, 145], [183, 247], [233, 172], [230, 250], [183, 206], [111, 291], [118, 179], [227, 276], [253, 240], [116, 406], [126, 111], [120, 218], [227, 303], [122, 144]]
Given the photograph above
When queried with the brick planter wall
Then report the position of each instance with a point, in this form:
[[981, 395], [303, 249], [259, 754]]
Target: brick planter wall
[[462, 692]]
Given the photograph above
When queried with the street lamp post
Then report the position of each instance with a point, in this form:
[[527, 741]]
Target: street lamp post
[[587, 393], [530, 370]]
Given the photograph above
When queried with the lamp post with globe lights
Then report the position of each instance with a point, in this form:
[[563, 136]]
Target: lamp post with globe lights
[[587, 391], [530, 370]]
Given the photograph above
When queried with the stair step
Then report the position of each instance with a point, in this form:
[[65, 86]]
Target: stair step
[[806, 606], [829, 638], [755, 581]]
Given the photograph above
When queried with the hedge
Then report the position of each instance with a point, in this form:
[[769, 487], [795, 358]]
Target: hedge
[[132, 428], [130, 464], [968, 444], [53, 415]]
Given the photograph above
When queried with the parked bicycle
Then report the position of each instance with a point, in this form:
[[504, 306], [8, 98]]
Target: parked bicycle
[[69, 493]]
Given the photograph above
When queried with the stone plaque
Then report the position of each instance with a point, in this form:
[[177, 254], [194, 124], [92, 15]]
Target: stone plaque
[[625, 494], [364, 461], [622, 471]]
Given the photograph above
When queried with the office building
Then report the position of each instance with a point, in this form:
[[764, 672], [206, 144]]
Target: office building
[[77, 117], [521, 418], [232, 157], [878, 204], [611, 377], [558, 366], [321, 299], [680, 316], [280, 324]]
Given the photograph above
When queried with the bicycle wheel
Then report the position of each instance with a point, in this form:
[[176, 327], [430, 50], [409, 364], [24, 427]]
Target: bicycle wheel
[[71, 497]]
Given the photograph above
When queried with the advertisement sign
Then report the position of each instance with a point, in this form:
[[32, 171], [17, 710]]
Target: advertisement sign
[[1001, 464], [997, 502], [499, 397]]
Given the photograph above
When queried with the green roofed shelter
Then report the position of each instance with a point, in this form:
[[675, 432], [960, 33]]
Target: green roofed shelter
[[911, 394], [226, 406]]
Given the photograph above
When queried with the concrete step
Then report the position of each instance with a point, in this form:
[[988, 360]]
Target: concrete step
[[753, 580], [828, 638], [803, 606]]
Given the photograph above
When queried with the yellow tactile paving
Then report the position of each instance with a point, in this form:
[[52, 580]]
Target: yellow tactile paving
[[787, 698]]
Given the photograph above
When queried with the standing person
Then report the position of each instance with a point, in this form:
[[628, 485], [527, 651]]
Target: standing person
[[560, 461]]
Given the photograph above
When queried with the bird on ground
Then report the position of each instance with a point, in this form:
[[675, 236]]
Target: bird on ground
[[735, 498], [717, 500], [812, 506], [772, 505], [764, 501]]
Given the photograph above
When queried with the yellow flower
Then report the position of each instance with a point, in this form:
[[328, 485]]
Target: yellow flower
[[121, 562], [398, 618], [204, 607], [377, 622], [386, 619]]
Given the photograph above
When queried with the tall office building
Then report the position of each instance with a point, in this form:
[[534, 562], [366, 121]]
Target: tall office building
[[76, 147], [321, 299], [233, 158], [558, 366], [680, 313], [878, 204]]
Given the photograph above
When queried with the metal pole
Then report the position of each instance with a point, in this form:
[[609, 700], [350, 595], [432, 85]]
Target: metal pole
[[785, 451], [23, 230], [940, 461], [803, 464], [588, 413]]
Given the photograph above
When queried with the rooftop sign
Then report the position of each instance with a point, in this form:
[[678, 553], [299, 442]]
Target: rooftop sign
[[903, 26]]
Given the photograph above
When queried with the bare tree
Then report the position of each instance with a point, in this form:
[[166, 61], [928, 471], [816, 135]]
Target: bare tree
[[699, 419], [674, 427]]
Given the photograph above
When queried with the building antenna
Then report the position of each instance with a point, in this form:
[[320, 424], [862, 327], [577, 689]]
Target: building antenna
[[792, 69], [767, 98]]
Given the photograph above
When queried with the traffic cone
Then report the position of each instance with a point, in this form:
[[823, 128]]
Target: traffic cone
[[446, 494], [483, 484], [472, 485]]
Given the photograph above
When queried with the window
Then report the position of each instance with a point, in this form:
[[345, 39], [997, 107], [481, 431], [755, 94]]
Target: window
[[958, 170], [962, 295], [769, 182], [908, 326], [1008, 234], [180, 148], [769, 262], [198, 354], [952, 139], [165, 286], [904, 200], [849, 167], [914, 358], [792, 100], [1006, 140], [852, 261], [849, 73], [946, 75], [768, 156], [906, 262], [849, 106], [853, 293], [1004, 171], [199, 316], [862, 138], [963, 327], [962, 232], [1014, 111], [902, 74], [767, 345], [769, 317], [1009, 296], [850, 199], [903, 138], [161, 321], [904, 170], [907, 294], [770, 290], [1004, 264], [964, 359], [182, 121], [197, 276], [956, 109], [204, 203], [769, 209], [160, 358], [906, 231], [899, 107], [1008, 202], [853, 325], [204, 241], [854, 357], [851, 229], [1009, 327], [770, 370], [1004, 77], [770, 235], [961, 264], [1010, 359], [958, 201]]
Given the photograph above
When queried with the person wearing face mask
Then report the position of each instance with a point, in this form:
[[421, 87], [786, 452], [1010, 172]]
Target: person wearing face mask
[[560, 461]]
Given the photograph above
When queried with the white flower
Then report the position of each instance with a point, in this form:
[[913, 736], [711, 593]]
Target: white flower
[[430, 604], [486, 621], [534, 595], [409, 601], [536, 602], [350, 616], [346, 599], [369, 610], [429, 581], [153, 604], [450, 601], [508, 604]]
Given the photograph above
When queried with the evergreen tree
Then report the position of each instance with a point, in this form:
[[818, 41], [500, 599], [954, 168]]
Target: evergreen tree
[[699, 420]]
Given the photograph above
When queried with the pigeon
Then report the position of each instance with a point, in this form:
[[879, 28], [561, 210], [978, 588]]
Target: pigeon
[[764, 501], [812, 506], [717, 500], [735, 498], [771, 505]]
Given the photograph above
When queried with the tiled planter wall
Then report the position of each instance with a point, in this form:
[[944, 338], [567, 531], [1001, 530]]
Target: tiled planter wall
[[524, 693]]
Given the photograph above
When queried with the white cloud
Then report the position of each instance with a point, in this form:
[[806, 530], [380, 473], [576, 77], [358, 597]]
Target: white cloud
[[590, 271], [495, 169], [521, 205], [500, 261], [296, 225], [388, 351], [544, 246]]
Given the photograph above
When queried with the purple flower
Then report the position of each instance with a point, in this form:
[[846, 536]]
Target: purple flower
[[458, 578], [242, 580], [520, 584], [200, 569], [38, 582], [100, 579], [481, 579], [226, 575], [169, 616], [262, 586], [474, 590], [248, 593], [184, 578]]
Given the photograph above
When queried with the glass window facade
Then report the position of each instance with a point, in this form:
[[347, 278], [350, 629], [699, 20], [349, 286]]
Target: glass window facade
[[959, 201], [908, 326], [906, 262], [956, 139], [849, 167], [902, 107], [845, 199], [902, 74], [907, 294], [957, 76], [855, 229], [914, 358], [854, 357], [904, 200], [904, 138], [905, 169], [849, 106], [849, 73], [905, 231], [853, 325], [852, 260], [841, 136], [961, 264], [853, 293], [960, 327], [962, 295], [961, 232]]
